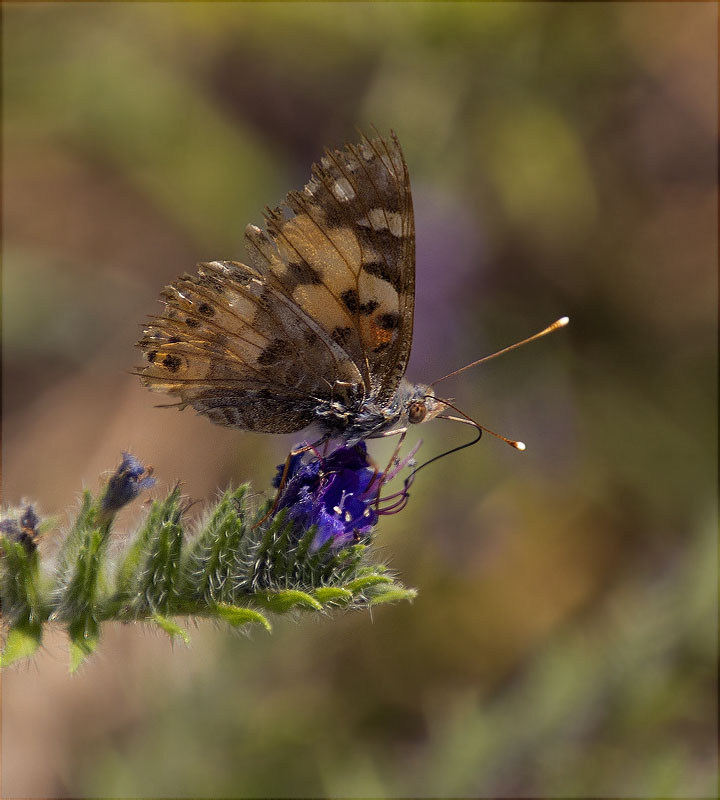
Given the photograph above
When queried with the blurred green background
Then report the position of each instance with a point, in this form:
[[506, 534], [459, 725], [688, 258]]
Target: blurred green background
[[563, 161]]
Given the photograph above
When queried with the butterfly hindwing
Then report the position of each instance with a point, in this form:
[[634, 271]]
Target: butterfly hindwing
[[228, 346]]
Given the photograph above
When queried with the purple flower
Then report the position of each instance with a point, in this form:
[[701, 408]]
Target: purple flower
[[339, 493], [126, 483]]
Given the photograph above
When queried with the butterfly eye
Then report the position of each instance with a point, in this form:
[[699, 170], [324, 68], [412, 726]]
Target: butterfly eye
[[417, 411]]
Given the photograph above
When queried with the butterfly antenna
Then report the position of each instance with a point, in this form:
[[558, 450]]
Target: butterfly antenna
[[466, 420], [559, 323]]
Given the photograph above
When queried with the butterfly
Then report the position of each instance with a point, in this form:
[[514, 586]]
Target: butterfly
[[316, 329]]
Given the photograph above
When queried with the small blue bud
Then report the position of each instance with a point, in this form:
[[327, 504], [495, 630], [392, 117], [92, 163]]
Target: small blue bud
[[126, 483], [23, 530]]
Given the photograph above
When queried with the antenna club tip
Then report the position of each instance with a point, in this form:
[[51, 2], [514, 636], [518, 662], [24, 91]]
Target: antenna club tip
[[562, 322], [519, 445]]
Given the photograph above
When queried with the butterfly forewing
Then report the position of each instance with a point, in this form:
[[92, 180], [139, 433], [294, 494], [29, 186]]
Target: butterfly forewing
[[323, 312], [343, 250]]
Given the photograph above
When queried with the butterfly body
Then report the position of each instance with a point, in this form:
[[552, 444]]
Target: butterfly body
[[316, 329], [368, 419]]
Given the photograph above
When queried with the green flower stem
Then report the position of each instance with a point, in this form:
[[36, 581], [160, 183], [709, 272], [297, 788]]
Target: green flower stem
[[236, 568]]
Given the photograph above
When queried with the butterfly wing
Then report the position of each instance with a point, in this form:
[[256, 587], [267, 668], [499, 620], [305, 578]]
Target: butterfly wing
[[235, 350], [343, 250], [323, 312]]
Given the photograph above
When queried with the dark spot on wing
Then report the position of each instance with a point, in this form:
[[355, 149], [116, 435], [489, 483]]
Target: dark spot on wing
[[379, 269], [351, 300], [206, 310], [303, 273], [381, 347], [192, 323], [341, 335], [369, 307], [151, 355], [353, 304], [173, 339], [389, 321], [172, 363], [382, 240], [272, 353]]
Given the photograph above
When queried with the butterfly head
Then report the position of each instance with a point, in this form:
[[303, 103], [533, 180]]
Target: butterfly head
[[422, 405]]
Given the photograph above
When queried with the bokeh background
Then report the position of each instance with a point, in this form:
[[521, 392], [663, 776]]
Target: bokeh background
[[563, 161]]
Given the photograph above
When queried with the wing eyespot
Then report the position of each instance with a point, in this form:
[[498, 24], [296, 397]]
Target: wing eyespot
[[172, 362]]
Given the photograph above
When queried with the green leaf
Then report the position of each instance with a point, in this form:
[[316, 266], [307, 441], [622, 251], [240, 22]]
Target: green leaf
[[283, 601], [172, 629], [332, 594], [392, 596], [85, 521], [264, 570], [22, 594], [22, 641], [82, 584], [84, 637], [236, 616], [366, 581], [158, 579], [215, 562], [131, 566], [303, 548]]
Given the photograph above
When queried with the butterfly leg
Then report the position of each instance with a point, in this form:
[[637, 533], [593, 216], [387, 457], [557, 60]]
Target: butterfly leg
[[394, 458], [402, 433], [398, 500]]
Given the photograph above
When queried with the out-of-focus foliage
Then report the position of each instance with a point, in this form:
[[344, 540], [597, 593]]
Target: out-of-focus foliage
[[563, 161]]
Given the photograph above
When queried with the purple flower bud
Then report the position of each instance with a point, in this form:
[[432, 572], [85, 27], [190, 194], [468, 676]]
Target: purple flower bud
[[23, 530], [125, 484]]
